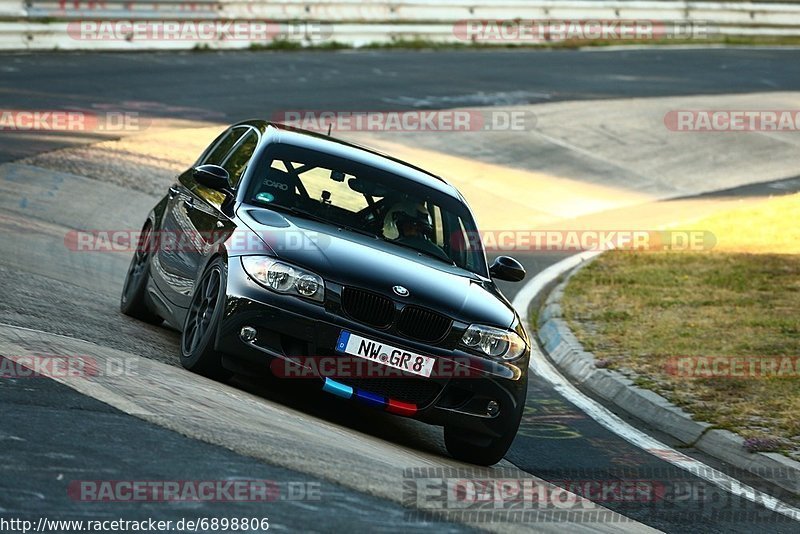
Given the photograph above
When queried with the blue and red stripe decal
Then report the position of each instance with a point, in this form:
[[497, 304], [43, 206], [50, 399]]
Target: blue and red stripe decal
[[337, 388], [370, 399], [401, 408]]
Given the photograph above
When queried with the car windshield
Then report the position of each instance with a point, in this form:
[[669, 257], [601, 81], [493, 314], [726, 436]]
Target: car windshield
[[367, 200]]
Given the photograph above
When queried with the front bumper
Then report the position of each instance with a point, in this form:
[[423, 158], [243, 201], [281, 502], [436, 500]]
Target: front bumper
[[295, 335]]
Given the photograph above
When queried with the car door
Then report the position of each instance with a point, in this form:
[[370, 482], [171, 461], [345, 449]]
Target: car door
[[207, 218], [210, 223], [191, 209]]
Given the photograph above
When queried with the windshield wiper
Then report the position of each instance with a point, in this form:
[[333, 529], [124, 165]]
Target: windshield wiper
[[299, 212], [442, 258], [360, 231], [314, 217]]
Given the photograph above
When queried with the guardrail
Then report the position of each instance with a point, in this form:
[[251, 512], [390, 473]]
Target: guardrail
[[454, 10], [123, 9], [12, 8], [47, 24]]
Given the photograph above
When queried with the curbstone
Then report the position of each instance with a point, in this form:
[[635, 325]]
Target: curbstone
[[789, 469]]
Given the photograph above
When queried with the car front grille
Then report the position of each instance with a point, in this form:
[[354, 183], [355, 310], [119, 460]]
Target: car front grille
[[423, 325], [367, 307], [414, 390], [414, 322]]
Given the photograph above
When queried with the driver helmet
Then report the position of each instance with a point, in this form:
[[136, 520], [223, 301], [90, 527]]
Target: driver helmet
[[407, 213]]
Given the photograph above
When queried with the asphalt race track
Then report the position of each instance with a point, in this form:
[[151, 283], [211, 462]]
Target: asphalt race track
[[52, 434], [238, 85]]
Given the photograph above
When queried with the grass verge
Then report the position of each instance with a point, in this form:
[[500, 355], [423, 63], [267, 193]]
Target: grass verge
[[716, 332], [427, 44]]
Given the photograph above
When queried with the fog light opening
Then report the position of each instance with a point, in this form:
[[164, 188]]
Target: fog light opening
[[247, 334], [492, 408]]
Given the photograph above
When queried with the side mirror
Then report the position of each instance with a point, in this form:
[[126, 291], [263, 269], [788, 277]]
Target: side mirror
[[508, 269], [214, 177]]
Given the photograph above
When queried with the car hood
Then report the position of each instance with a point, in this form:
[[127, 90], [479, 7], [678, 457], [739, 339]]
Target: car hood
[[351, 259]]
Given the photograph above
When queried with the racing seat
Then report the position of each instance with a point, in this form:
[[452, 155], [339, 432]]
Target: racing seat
[[282, 185]]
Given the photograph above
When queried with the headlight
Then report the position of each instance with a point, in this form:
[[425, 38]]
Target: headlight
[[495, 342], [284, 278]]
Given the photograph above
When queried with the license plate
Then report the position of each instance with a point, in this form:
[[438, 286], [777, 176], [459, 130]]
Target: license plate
[[376, 351]]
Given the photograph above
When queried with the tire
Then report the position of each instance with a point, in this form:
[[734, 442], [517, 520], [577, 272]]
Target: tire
[[475, 448], [202, 319], [133, 301]]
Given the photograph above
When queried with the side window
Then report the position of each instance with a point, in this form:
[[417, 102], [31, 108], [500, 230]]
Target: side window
[[237, 161], [223, 146]]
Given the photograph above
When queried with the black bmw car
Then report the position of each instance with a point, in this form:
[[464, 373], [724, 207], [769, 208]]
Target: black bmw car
[[293, 251]]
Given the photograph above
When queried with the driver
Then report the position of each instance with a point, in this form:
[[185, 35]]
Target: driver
[[410, 224]]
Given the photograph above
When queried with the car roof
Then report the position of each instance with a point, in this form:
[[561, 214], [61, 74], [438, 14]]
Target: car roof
[[281, 133]]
